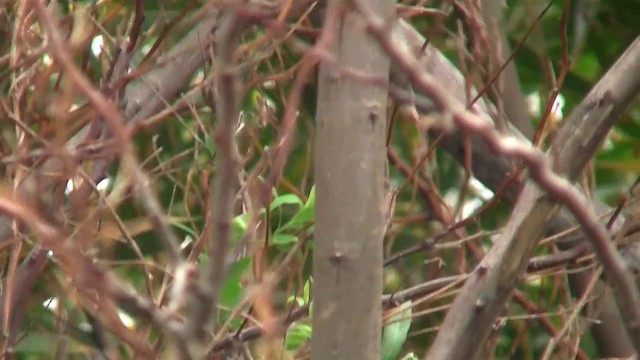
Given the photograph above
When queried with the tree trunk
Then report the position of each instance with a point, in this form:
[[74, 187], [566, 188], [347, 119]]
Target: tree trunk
[[350, 171]]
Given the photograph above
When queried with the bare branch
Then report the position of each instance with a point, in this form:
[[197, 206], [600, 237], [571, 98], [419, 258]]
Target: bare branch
[[116, 123], [487, 290], [224, 183], [88, 278], [151, 92], [511, 93], [392, 300], [586, 127], [495, 171]]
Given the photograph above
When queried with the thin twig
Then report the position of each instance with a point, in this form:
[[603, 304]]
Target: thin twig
[[224, 184], [116, 123]]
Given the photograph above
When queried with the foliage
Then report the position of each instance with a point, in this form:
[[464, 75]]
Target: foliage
[[52, 305]]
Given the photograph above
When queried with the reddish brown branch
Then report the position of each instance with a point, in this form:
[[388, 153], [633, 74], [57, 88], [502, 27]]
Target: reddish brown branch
[[224, 185], [116, 124]]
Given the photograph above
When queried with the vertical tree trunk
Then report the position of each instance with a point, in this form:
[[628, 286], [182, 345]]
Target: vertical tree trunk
[[349, 170]]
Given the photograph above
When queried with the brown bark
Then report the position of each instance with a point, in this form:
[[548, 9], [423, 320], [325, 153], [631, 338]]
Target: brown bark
[[510, 92], [349, 170]]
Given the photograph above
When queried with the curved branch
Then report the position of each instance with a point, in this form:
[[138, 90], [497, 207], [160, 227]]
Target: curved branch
[[487, 291]]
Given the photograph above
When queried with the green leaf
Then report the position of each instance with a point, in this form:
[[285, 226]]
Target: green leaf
[[186, 229], [297, 299], [311, 201], [306, 291], [394, 335], [283, 239], [209, 145], [238, 227], [304, 216], [305, 298], [297, 335], [288, 199], [231, 291]]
